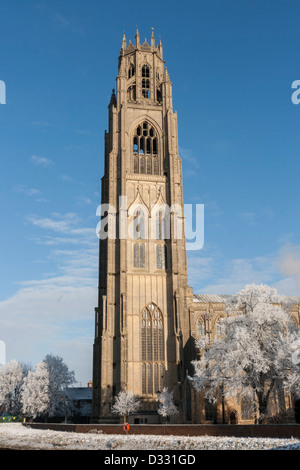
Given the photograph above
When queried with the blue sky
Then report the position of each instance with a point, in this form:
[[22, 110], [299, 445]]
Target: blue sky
[[232, 65]]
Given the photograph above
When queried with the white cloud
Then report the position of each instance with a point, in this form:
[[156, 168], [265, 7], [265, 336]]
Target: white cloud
[[218, 276], [58, 223], [40, 161], [67, 178], [289, 263], [66, 224], [188, 155], [199, 267], [19, 188]]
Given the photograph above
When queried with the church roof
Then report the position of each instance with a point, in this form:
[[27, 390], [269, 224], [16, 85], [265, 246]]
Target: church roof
[[294, 300], [211, 298]]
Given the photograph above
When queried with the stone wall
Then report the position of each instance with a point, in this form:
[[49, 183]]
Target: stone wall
[[263, 430]]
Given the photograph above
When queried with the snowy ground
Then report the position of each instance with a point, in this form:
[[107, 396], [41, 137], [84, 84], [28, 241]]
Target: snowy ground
[[17, 436]]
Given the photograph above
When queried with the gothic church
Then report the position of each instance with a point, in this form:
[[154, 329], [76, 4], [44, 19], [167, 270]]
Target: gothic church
[[147, 316]]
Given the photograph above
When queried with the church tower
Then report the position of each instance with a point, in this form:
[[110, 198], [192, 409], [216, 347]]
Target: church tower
[[141, 321]]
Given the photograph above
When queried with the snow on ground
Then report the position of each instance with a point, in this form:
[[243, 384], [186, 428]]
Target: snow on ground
[[17, 436]]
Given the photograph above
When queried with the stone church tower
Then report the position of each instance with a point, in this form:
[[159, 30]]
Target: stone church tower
[[141, 326], [147, 318]]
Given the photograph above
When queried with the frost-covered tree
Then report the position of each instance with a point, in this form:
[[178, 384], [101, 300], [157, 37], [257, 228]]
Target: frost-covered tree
[[254, 355], [60, 377], [11, 378], [35, 391], [166, 407], [125, 403]]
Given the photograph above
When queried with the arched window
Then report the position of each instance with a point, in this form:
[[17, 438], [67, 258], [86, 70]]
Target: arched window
[[145, 148], [219, 329], [201, 330], [131, 71], [152, 349], [145, 71]]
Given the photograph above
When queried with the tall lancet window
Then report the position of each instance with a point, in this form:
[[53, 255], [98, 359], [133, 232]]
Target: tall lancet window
[[146, 81], [161, 256], [152, 349], [145, 150], [139, 255], [139, 235]]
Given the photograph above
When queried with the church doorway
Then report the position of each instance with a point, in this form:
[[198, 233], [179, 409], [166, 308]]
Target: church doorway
[[232, 418]]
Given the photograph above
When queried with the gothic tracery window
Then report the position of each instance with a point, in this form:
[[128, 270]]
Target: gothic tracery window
[[152, 349], [145, 150], [145, 71]]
